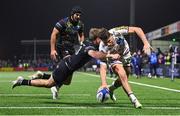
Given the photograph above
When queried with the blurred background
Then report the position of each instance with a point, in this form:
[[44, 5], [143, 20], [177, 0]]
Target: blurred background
[[24, 22]]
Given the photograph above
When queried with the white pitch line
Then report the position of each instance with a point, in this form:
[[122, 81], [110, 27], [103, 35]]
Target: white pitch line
[[5, 81], [95, 107], [153, 86], [147, 85], [32, 95]]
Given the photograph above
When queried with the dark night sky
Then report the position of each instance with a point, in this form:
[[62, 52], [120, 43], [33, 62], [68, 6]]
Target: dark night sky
[[26, 19]]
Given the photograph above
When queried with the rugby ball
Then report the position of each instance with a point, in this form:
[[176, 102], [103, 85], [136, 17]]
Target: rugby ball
[[102, 95]]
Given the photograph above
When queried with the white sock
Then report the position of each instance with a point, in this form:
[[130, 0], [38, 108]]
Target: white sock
[[132, 97]]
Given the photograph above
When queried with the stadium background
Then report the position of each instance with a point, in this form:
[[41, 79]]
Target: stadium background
[[23, 22], [26, 20]]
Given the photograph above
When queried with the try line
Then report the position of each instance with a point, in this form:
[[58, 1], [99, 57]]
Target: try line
[[94, 107], [147, 85]]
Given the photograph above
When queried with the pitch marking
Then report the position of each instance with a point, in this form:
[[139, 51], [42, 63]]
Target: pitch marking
[[83, 107], [147, 85]]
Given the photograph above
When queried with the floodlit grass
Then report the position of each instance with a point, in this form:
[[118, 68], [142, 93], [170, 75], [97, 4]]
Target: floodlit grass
[[80, 97]]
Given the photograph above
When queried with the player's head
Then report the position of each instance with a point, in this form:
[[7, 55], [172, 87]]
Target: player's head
[[103, 34], [93, 35], [76, 13], [106, 37]]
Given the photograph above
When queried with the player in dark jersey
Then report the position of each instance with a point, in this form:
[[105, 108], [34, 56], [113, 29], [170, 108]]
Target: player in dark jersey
[[68, 65], [70, 31], [66, 36]]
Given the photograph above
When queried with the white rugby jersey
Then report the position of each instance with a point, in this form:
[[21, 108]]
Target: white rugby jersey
[[121, 45]]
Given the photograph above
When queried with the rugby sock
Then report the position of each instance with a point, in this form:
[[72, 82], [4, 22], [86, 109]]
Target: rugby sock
[[26, 82], [114, 85], [46, 76], [132, 97]]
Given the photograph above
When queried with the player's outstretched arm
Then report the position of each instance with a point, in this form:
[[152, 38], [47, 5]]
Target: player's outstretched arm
[[103, 71], [101, 55], [147, 48]]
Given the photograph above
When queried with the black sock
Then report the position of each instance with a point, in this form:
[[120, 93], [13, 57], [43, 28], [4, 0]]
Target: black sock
[[26, 82], [130, 93], [46, 76], [117, 84]]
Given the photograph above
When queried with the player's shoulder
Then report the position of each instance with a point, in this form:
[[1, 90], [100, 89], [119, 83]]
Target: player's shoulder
[[81, 23], [63, 20], [61, 24], [86, 42], [119, 29], [88, 45]]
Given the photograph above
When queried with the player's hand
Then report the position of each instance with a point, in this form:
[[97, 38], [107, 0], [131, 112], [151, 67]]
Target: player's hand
[[147, 49], [54, 55], [115, 56], [104, 86]]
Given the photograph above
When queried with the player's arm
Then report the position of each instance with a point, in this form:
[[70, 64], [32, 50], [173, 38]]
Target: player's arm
[[101, 55], [142, 36], [54, 35], [81, 38], [81, 34], [119, 31], [103, 70], [103, 66]]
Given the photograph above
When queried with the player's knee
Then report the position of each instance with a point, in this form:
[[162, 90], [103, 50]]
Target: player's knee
[[49, 84], [67, 82]]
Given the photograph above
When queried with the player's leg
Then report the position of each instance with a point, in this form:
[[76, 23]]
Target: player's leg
[[37, 82], [62, 75], [40, 75], [55, 89], [127, 67], [117, 83], [68, 80], [120, 71]]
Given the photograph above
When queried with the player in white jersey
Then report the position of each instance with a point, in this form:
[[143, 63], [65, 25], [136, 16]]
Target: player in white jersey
[[113, 41], [120, 46]]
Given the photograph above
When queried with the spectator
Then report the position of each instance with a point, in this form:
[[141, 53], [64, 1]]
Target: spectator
[[153, 61]]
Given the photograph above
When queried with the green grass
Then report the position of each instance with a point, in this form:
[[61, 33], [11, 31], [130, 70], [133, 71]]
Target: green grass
[[80, 98]]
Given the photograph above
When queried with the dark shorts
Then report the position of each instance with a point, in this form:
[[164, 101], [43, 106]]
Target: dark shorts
[[61, 73]]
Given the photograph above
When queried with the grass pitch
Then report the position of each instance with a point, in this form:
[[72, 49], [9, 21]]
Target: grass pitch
[[158, 97]]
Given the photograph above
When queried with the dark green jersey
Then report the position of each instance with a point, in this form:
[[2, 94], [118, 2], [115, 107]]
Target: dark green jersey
[[68, 36]]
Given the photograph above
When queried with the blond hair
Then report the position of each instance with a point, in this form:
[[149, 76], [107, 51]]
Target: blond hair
[[94, 33]]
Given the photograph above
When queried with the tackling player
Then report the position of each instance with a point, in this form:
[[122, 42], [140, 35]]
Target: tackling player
[[68, 65]]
